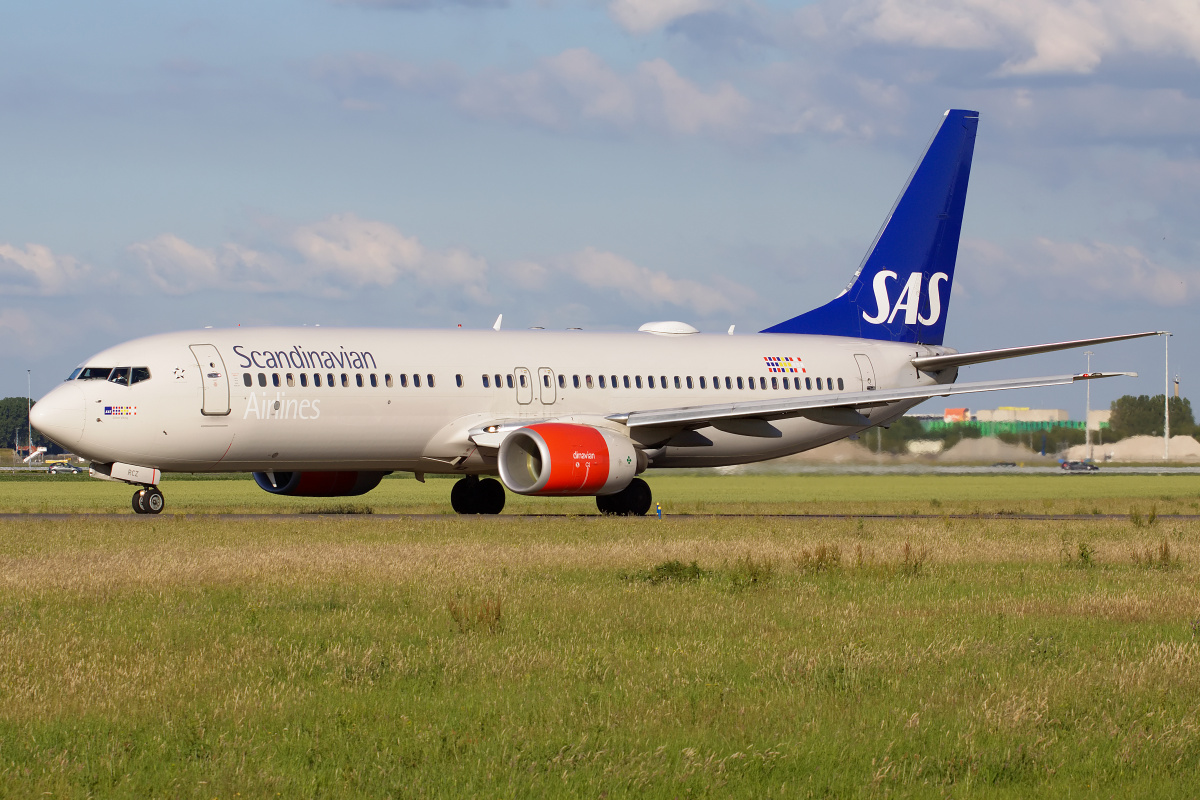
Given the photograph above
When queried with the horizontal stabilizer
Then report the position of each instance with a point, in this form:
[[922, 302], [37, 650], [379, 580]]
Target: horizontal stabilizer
[[938, 363]]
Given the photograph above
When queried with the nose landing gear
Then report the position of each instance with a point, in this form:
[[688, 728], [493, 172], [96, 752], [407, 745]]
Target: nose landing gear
[[148, 500]]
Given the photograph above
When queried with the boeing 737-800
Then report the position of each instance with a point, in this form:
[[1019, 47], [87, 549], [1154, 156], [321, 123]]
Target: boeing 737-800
[[322, 412]]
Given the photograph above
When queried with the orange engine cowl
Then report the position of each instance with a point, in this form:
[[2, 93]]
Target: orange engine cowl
[[564, 459]]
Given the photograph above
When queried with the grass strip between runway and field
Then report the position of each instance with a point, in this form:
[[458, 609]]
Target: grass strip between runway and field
[[1078, 494], [317, 656]]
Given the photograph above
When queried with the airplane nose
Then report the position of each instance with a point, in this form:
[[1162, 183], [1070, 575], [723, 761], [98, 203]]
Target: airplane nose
[[59, 415]]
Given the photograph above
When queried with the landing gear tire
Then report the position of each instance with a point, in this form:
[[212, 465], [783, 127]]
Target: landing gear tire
[[148, 501], [464, 495], [632, 501], [489, 496], [473, 496]]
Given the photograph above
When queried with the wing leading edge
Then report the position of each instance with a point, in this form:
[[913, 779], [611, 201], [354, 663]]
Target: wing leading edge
[[836, 409]]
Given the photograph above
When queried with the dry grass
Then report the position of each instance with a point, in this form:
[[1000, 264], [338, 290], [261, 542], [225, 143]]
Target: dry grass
[[195, 656]]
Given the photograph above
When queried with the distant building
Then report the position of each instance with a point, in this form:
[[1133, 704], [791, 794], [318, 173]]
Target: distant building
[[957, 415], [1021, 414], [1098, 419]]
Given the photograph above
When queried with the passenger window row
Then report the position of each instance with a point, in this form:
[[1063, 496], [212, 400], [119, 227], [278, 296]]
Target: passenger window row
[[679, 382], [331, 380]]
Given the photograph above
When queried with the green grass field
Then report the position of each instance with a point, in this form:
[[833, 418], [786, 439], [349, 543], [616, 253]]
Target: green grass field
[[318, 656]]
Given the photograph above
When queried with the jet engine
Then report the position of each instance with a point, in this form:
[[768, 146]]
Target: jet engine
[[318, 484], [557, 458]]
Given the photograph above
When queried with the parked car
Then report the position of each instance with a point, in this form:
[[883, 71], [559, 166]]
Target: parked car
[[1079, 466], [64, 469]]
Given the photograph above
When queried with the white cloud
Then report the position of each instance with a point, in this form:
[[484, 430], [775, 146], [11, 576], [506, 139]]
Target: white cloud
[[330, 257], [1080, 270], [36, 270], [598, 269], [1038, 36], [573, 89], [643, 16]]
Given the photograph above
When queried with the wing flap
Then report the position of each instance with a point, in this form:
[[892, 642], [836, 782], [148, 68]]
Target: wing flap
[[844, 401]]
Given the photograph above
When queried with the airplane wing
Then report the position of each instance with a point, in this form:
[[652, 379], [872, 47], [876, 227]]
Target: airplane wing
[[834, 409], [936, 363]]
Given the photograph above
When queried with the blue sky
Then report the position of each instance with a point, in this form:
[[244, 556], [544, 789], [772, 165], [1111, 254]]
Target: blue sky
[[429, 163]]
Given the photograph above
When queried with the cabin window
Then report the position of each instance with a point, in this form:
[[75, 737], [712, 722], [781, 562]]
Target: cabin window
[[247, 379], [304, 379], [508, 379], [521, 377], [275, 379], [291, 379], [762, 383], [317, 379], [358, 379], [689, 381], [818, 384], [637, 380], [499, 382], [741, 384], [329, 381], [829, 384], [417, 381], [587, 379], [562, 381], [650, 381], [703, 382], [403, 381], [841, 386], [602, 382], [575, 381], [387, 380], [785, 384], [374, 381], [626, 381], [262, 379], [458, 381], [728, 382], [663, 381], [679, 384], [774, 382], [487, 383], [345, 381], [808, 383]]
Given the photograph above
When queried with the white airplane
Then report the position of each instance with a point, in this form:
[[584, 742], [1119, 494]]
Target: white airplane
[[325, 412]]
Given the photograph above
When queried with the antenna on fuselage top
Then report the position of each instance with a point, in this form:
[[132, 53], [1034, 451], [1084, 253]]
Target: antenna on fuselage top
[[496, 327], [731, 327]]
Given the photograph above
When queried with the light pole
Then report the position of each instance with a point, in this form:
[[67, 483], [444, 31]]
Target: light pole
[[1166, 395], [1087, 417]]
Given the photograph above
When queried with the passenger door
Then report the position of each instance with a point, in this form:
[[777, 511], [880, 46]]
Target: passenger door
[[213, 379], [546, 385], [866, 372]]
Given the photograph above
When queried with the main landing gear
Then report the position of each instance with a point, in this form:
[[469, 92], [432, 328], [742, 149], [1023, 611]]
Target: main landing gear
[[473, 496], [632, 501], [148, 500]]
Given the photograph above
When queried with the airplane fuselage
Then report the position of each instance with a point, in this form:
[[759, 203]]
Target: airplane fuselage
[[380, 399]]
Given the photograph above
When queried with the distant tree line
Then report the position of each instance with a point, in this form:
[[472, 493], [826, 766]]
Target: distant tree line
[[1143, 416], [14, 422]]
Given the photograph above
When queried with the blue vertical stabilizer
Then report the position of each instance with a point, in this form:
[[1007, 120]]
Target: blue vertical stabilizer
[[901, 291]]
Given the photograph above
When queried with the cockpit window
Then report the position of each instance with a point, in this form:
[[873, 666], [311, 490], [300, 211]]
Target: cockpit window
[[119, 376], [139, 374], [75, 374], [94, 373]]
